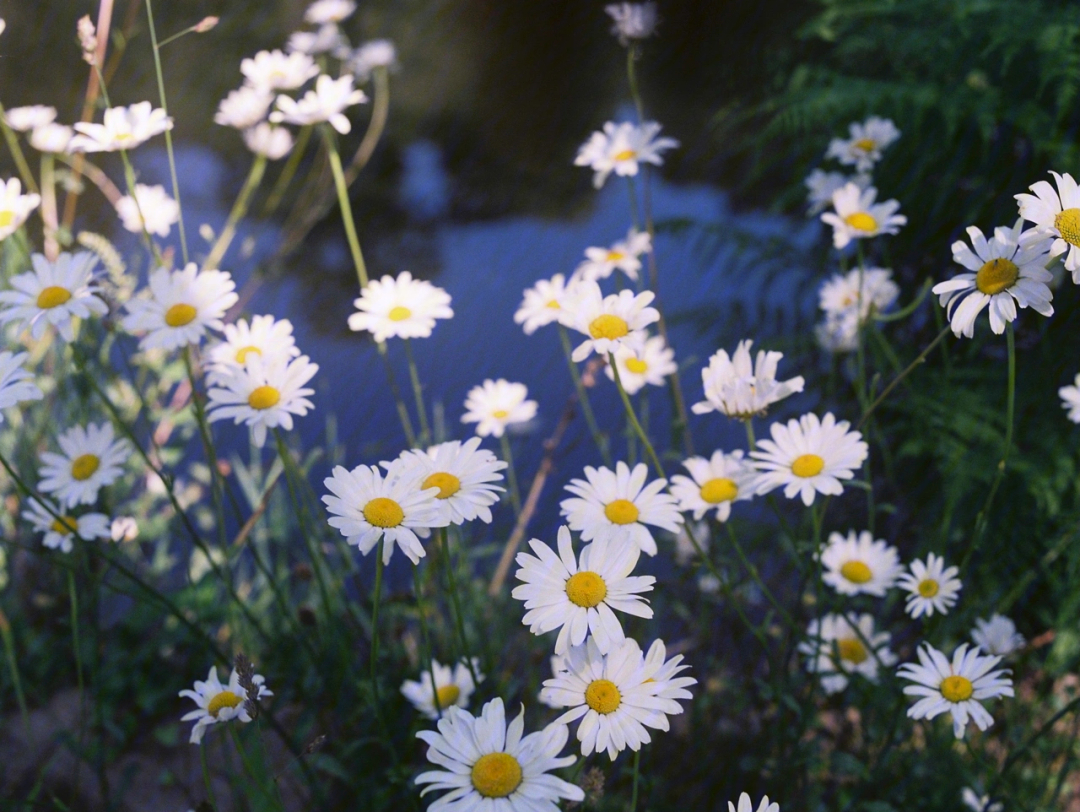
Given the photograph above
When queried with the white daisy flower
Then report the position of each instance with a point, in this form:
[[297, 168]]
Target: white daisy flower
[[16, 384], [123, 128], [746, 805], [838, 647], [220, 703], [740, 388], [274, 143], [25, 119], [543, 303], [714, 484], [578, 597], [489, 765], [841, 293], [328, 38], [276, 70], [367, 507], [609, 322], [617, 505], [244, 108], [15, 207], [1070, 399], [401, 308], [624, 256], [181, 307], [92, 458], [839, 333], [463, 473], [150, 209], [808, 456], [663, 673], [930, 586], [269, 338], [979, 803], [327, 102], [685, 550], [263, 395], [378, 53], [558, 666], [863, 149], [1056, 215], [1005, 271], [857, 564], [322, 12], [649, 366], [60, 532], [633, 21], [53, 293], [997, 636], [52, 138], [124, 528], [820, 186], [494, 405], [957, 687], [453, 688], [622, 148], [858, 217]]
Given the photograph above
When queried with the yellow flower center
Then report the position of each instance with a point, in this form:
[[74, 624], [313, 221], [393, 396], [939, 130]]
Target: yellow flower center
[[602, 696], [52, 296], [608, 326], [448, 695], [861, 221], [719, 490], [856, 571], [496, 775], [82, 468], [808, 465], [1068, 223], [956, 689], [852, 650], [928, 588], [264, 397], [500, 414], [7, 217], [625, 155], [637, 366], [244, 352], [586, 589], [399, 313], [180, 314], [615, 256], [865, 144], [996, 275], [383, 512], [226, 699], [554, 305], [448, 484], [621, 511], [64, 525]]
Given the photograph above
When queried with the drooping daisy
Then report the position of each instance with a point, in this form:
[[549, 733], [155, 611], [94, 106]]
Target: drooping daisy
[[930, 586], [25, 119], [746, 805], [979, 803], [858, 217], [863, 148], [378, 53], [269, 338], [327, 102], [957, 687], [464, 473], [274, 143], [322, 12], [453, 687], [624, 256], [490, 765], [622, 148], [150, 209], [543, 303], [857, 564], [997, 636], [714, 484], [843, 293], [92, 458], [609, 322], [53, 293], [1070, 399], [577, 596], [15, 207], [633, 21], [1005, 271], [263, 395], [494, 405], [122, 128], [60, 532], [16, 384], [220, 703], [617, 505], [1056, 214], [650, 366], [401, 308], [838, 647], [276, 70], [820, 186], [808, 456], [367, 506], [181, 307], [243, 108], [52, 138], [740, 388]]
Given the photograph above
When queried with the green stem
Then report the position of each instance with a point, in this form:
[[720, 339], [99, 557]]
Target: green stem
[[288, 171], [395, 391], [425, 639], [583, 398], [418, 394], [751, 440], [13, 668], [633, 418], [346, 207], [17, 154], [511, 474], [76, 647], [637, 773], [455, 604], [239, 209], [379, 567], [756, 576], [210, 797], [919, 359]]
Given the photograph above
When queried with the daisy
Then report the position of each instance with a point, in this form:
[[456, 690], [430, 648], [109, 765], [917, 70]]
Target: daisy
[[16, 384], [633, 21], [463, 473], [328, 38], [181, 306], [243, 108], [740, 388], [489, 765], [124, 528], [979, 803], [53, 293], [453, 688], [15, 207], [685, 549], [577, 596], [378, 53], [622, 148], [651, 365], [857, 216], [269, 141], [322, 12], [957, 687], [839, 332], [368, 507], [25, 119], [150, 209], [838, 647], [930, 586], [60, 532], [401, 308], [1005, 271], [867, 141], [609, 322], [269, 338], [221, 703], [857, 564], [52, 138], [92, 458], [624, 256], [1070, 399], [820, 186], [617, 505], [275, 70], [663, 673], [997, 636], [327, 102], [543, 303], [1056, 215], [123, 128], [808, 456], [746, 805], [263, 395], [714, 484], [494, 405], [843, 293]]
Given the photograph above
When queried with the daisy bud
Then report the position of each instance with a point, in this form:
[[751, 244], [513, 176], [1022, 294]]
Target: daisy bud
[[206, 24], [88, 39]]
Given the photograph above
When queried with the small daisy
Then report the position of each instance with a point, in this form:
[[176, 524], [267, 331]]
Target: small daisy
[[322, 12], [123, 128], [181, 306], [53, 293], [864, 147], [997, 636], [820, 186], [624, 256], [650, 366], [577, 596], [463, 473], [220, 703], [489, 765], [401, 308], [494, 405], [746, 805], [957, 687], [841, 293], [263, 395], [1070, 399], [858, 217], [741, 388], [16, 384], [151, 209], [378, 53], [848, 645], [453, 687], [1056, 215], [857, 564], [327, 102], [25, 119], [92, 458], [979, 803], [275, 70], [617, 505], [543, 303], [15, 207], [930, 586], [244, 108], [52, 138], [328, 38], [60, 532], [367, 507], [622, 148], [633, 21], [610, 322], [273, 143], [269, 338], [714, 484]]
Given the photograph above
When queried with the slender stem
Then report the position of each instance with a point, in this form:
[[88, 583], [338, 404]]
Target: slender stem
[[418, 394], [633, 418], [455, 604], [288, 171], [637, 773], [375, 599], [48, 206], [210, 797], [17, 153], [13, 668], [239, 209], [631, 77], [919, 359], [751, 440], [583, 398], [425, 638], [511, 474], [76, 647], [756, 576], [395, 391], [346, 207]]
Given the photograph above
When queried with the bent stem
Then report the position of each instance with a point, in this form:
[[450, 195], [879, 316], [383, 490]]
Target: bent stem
[[633, 418], [288, 171], [346, 207], [511, 474], [583, 398], [239, 209]]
